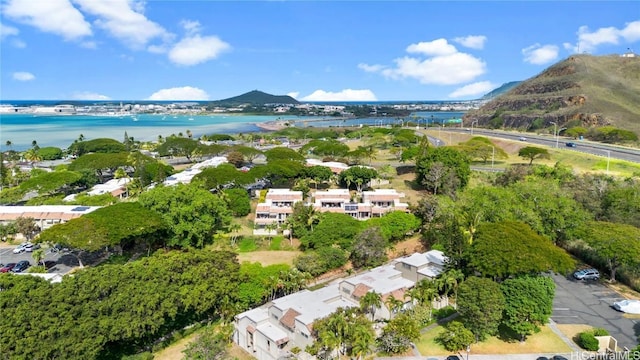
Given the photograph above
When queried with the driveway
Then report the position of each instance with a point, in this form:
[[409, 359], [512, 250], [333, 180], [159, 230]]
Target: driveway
[[589, 302]]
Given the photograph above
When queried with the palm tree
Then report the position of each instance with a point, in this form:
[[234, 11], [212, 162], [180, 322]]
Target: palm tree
[[234, 228], [38, 255], [453, 278], [363, 340], [189, 134], [425, 292], [81, 137], [370, 302], [8, 143], [394, 304]]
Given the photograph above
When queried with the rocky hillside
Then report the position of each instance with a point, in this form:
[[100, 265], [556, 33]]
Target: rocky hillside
[[582, 90]]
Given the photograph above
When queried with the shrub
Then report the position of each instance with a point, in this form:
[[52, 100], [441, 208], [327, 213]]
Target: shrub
[[600, 332], [588, 341], [455, 337]]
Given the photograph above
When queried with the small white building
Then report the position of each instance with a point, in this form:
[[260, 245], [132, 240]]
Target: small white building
[[115, 187]]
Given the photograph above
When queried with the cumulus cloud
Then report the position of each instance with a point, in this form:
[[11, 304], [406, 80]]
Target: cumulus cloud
[[6, 31], [180, 93], [437, 47], [58, 17], [472, 41], [197, 49], [344, 95], [294, 94], [440, 64], [473, 90], [23, 76], [540, 54], [124, 20], [588, 41], [88, 95]]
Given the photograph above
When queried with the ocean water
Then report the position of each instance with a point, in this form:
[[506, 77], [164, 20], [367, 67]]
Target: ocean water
[[62, 130]]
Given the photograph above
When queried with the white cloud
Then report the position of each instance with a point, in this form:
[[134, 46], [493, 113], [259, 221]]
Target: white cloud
[[87, 95], [191, 27], [18, 43], [473, 90], [53, 16], [197, 49], [344, 95], [588, 41], [442, 64], [180, 93], [437, 47], [294, 94], [23, 76], [6, 30], [631, 32], [472, 41], [124, 20], [370, 68], [440, 70], [540, 54]]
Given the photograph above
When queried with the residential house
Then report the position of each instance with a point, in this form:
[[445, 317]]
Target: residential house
[[374, 203]]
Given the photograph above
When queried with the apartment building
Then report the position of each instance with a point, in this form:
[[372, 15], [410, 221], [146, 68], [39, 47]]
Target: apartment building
[[270, 332], [374, 203], [277, 206], [44, 216]]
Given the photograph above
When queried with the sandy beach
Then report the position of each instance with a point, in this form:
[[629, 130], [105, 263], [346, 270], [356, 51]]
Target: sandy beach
[[272, 125]]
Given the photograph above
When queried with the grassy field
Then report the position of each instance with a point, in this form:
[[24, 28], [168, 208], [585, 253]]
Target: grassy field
[[546, 341]]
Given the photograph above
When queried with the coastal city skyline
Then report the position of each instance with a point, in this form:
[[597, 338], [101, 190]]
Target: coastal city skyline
[[313, 51]]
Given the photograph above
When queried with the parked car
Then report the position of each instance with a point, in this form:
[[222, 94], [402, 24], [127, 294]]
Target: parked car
[[20, 248], [31, 247], [522, 138], [59, 248], [453, 357], [7, 267], [587, 274], [21, 266], [570, 144]]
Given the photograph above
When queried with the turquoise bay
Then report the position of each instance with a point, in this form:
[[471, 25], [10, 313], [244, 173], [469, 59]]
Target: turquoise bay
[[62, 130]]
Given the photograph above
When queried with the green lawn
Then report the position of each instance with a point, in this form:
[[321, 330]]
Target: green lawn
[[546, 341]]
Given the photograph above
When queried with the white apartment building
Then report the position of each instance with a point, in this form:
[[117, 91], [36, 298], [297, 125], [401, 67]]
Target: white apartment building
[[270, 332], [374, 203], [277, 206]]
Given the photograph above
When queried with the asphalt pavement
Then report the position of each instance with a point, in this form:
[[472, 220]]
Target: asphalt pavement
[[64, 262], [590, 303]]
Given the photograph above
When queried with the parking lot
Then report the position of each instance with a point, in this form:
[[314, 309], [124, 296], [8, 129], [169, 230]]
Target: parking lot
[[589, 302], [64, 262]]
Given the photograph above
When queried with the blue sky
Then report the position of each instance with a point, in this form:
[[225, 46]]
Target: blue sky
[[312, 50]]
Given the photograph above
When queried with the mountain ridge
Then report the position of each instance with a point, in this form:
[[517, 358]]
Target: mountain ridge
[[256, 97], [581, 90]]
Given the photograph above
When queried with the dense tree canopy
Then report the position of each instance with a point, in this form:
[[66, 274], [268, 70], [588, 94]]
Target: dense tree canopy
[[528, 303], [111, 310], [179, 146], [100, 163], [122, 224], [101, 145], [333, 229], [617, 245], [443, 170], [283, 153], [395, 225], [193, 214], [50, 153], [238, 201], [480, 304], [511, 248], [358, 176]]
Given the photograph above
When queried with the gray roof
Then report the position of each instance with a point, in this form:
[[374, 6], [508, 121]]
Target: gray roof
[[383, 279], [313, 305]]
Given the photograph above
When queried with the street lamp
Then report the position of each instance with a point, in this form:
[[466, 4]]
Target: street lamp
[[468, 351], [555, 132], [473, 122], [493, 154], [608, 158]]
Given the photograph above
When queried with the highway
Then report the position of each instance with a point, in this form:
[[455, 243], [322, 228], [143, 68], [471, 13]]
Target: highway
[[589, 147]]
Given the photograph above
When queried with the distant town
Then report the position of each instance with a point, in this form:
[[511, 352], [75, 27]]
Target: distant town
[[193, 108]]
